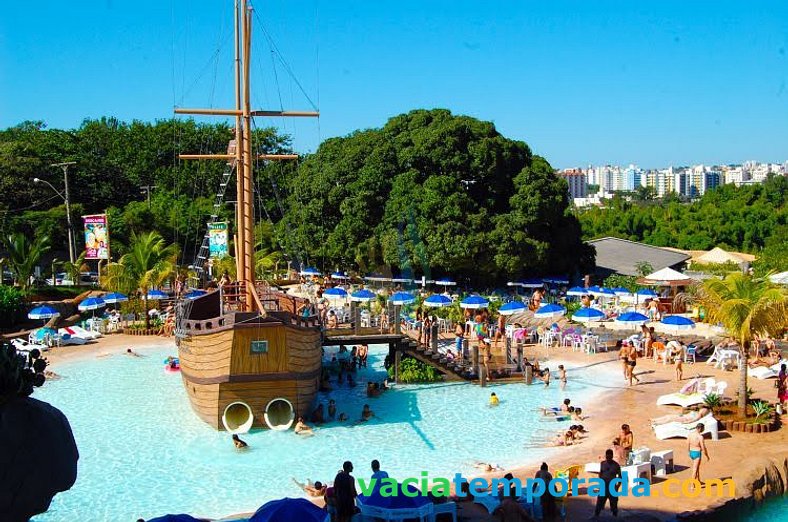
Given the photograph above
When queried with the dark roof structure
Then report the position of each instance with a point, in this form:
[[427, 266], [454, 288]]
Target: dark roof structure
[[621, 256]]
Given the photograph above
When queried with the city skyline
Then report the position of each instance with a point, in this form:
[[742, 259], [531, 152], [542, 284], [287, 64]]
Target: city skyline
[[581, 84]]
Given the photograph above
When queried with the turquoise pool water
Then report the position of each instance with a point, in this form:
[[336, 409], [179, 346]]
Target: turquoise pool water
[[144, 453], [776, 510]]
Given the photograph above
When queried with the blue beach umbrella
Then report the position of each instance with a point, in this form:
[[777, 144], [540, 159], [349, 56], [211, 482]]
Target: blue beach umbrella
[[335, 294], [474, 302], [603, 292], [577, 291], [362, 296], [512, 307], [402, 298], [115, 297], [43, 312], [532, 283], [549, 311], [289, 509], [91, 303], [678, 322], [587, 314], [194, 294], [646, 292], [175, 518], [632, 318], [437, 301], [156, 294], [310, 271]]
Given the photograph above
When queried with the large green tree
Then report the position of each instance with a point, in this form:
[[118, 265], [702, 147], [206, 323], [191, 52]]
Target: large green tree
[[431, 192]]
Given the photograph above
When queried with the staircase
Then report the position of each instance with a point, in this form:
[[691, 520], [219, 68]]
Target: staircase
[[204, 253], [452, 371]]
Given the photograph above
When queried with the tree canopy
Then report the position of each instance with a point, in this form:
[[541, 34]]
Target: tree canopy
[[748, 218], [432, 193]]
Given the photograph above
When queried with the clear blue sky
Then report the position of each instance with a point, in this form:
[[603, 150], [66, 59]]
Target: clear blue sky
[[654, 83]]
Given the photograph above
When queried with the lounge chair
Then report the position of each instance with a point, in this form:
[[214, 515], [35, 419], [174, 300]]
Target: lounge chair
[[78, 331], [22, 345], [686, 400], [766, 372], [682, 430]]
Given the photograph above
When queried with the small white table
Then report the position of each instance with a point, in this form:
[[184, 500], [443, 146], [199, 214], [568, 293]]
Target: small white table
[[662, 462]]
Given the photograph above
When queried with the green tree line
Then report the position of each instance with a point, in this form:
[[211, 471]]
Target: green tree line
[[751, 218]]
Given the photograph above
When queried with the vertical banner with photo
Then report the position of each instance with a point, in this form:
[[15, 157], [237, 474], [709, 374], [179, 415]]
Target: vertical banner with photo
[[217, 239], [96, 236]]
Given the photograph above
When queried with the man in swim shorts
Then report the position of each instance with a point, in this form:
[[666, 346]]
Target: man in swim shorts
[[697, 448]]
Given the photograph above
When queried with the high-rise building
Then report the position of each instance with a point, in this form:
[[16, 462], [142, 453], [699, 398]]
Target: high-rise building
[[577, 181]]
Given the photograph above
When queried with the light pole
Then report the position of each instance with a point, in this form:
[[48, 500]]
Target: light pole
[[64, 166], [146, 189]]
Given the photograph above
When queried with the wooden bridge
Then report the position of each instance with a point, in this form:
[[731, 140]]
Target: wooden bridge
[[453, 369]]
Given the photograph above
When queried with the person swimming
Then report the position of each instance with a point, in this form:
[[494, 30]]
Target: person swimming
[[302, 428], [494, 401], [132, 353], [318, 489], [487, 467], [366, 413], [239, 444], [332, 409]]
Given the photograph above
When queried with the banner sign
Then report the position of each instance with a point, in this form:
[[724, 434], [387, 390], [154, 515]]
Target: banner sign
[[96, 236], [217, 239]]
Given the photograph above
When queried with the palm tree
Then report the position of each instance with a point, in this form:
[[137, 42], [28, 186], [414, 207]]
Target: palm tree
[[746, 306], [24, 255], [147, 264], [265, 261], [73, 270]]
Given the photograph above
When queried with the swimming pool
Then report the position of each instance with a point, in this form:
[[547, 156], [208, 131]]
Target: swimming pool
[[144, 453]]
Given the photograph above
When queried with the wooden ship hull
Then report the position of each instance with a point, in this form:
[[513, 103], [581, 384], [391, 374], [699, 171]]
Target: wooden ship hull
[[251, 359]]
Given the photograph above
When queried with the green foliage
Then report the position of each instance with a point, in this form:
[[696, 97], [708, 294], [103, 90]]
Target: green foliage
[[746, 307], [774, 256], [644, 268], [147, 264], [762, 409], [113, 159], [24, 254], [10, 305], [735, 218], [712, 401], [432, 191], [622, 281], [721, 269], [414, 371]]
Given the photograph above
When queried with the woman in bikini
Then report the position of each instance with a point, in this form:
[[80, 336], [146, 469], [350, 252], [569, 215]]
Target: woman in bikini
[[626, 439]]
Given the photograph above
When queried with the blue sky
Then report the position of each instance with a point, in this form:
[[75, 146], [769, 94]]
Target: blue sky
[[653, 83]]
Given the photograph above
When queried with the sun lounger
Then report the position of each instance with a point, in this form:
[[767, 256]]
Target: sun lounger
[[682, 430], [766, 372], [22, 345], [78, 331], [67, 338], [686, 400]]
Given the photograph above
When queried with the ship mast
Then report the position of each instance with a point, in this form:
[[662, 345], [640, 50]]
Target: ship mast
[[242, 156]]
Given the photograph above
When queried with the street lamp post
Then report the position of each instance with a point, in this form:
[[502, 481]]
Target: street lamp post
[[65, 165]]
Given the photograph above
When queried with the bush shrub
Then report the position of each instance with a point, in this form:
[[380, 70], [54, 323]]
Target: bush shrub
[[10, 305]]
